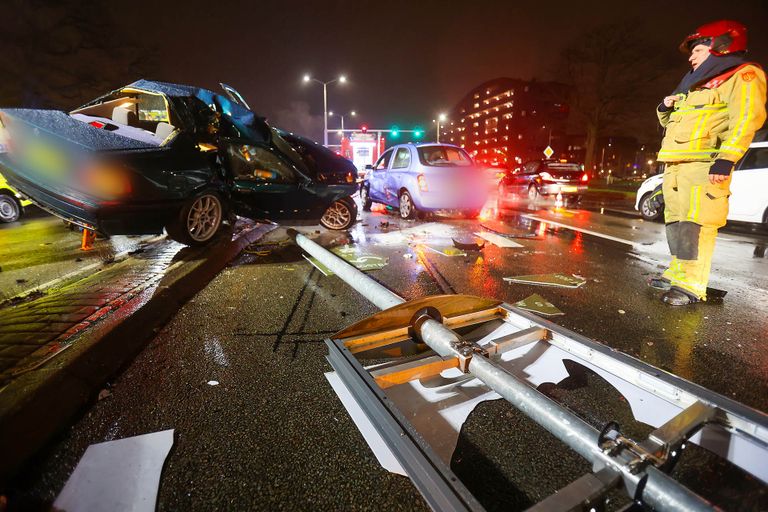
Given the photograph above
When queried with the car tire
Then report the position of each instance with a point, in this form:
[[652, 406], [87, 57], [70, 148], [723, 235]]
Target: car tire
[[406, 207], [10, 209], [198, 221], [533, 193], [340, 215], [647, 210], [365, 198]]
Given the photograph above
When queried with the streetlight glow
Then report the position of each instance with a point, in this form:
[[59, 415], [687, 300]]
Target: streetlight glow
[[442, 117], [353, 113], [341, 79], [330, 114]]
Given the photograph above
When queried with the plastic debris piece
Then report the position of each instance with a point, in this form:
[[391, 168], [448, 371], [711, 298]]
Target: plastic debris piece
[[120, 475], [622, 312], [468, 246], [538, 304], [213, 383], [408, 255], [498, 240], [446, 251], [714, 293], [559, 280], [104, 393]]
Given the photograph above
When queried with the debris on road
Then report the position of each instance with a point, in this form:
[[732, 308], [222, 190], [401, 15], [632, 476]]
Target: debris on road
[[559, 280], [446, 251], [213, 383], [468, 246], [121, 475], [104, 393], [538, 304], [498, 240]]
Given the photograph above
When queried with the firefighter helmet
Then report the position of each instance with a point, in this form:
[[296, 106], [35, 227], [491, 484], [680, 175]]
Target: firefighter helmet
[[722, 37]]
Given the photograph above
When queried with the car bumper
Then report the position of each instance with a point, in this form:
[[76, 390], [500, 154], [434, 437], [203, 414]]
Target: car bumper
[[562, 188], [108, 218], [431, 202]]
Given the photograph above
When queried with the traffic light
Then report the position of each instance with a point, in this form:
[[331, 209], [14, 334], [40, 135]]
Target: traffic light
[[417, 133], [394, 132], [364, 128]]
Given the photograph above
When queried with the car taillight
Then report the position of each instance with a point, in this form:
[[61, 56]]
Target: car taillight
[[107, 181], [422, 182], [350, 178], [585, 177]]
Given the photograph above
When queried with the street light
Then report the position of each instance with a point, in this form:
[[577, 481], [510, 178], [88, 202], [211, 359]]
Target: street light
[[441, 118], [352, 114], [342, 79]]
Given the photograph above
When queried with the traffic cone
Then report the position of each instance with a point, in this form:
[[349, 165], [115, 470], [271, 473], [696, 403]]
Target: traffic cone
[[559, 200], [88, 238]]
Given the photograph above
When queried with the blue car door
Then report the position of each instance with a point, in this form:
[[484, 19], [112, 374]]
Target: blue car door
[[398, 174], [377, 177]]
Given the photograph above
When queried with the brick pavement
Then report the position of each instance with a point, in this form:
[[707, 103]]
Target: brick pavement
[[34, 332]]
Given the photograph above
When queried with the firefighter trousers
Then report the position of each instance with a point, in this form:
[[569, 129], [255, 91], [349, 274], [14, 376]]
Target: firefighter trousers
[[694, 209]]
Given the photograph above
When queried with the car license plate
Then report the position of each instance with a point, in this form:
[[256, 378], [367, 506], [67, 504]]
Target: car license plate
[[568, 188]]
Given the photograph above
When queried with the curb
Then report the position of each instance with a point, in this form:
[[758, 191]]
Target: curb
[[37, 405]]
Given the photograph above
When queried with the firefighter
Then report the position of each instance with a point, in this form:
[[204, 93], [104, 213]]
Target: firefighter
[[709, 121]]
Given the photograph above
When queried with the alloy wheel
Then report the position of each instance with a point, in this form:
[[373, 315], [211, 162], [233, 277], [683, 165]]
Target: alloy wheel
[[9, 209], [406, 206], [337, 216], [204, 217]]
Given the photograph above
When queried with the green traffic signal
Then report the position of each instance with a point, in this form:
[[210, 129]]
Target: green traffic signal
[[394, 131], [418, 132]]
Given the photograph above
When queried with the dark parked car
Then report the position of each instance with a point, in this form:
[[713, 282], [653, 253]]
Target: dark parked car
[[544, 178], [154, 155]]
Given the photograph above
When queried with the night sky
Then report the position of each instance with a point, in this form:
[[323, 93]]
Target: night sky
[[405, 60]]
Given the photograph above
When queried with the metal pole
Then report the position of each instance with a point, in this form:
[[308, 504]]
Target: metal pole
[[660, 491], [438, 131], [381, 296], [325, 114]]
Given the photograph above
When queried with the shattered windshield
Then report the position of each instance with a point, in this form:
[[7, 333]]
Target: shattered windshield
[[443, 156]]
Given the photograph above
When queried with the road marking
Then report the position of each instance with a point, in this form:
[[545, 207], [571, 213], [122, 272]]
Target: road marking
[[585, 231]]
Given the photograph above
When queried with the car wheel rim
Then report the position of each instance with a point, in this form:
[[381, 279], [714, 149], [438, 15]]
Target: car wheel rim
[[7, 209], [647, 210], [204, 218], [405, 206], [337, 216]]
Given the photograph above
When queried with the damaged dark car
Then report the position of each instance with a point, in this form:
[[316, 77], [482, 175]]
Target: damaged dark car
[[153, 156]]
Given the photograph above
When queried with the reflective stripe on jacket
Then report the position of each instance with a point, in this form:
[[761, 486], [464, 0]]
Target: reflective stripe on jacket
[[716, 120]]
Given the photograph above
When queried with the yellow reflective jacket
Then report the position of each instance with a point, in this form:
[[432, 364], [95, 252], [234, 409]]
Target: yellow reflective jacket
[[716, 120]]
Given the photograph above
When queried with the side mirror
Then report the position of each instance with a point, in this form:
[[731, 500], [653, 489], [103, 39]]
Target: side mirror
[[369, 167]]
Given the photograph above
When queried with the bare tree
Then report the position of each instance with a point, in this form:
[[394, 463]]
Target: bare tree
[[60, 54], [615, 77]]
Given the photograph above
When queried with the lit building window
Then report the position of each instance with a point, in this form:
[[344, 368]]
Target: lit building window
[[522, 113], [519, 136], [526, 88], [477, 95], [487, 91], [477, 105]]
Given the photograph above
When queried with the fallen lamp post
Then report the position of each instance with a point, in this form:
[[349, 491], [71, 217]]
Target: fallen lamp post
[[728, 428]]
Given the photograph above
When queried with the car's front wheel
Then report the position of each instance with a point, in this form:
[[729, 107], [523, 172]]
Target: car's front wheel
[[649, 207], [10, 209], [198, 221], [365, 198], [407, 208], [340, 215]]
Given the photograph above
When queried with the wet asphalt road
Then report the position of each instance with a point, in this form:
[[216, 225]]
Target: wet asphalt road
[[272, 435]]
